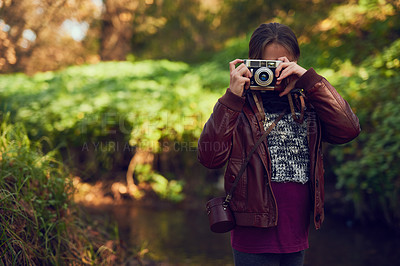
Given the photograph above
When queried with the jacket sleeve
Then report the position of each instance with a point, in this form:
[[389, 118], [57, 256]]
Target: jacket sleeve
[[215, 141], [339, 123]]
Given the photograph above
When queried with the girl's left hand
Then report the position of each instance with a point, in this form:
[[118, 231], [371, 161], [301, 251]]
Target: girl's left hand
[[290, 70]]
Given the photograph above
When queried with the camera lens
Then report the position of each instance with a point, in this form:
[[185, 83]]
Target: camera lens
[[264, 76]]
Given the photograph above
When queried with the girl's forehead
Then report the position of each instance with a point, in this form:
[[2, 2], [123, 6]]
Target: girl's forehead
[[273, 51]]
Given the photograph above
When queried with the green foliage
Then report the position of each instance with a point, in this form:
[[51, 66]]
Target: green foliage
[[137, 104], [183, 27], [98, 112], [38, 221], [352, 32], [368, 169], [166, 189]]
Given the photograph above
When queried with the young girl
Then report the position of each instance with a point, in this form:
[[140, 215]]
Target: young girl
[[283, 182]]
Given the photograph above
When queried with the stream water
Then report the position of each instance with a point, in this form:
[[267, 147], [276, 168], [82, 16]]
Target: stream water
[[182, 237]]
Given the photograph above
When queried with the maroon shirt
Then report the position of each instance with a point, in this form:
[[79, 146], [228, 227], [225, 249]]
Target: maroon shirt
[[291, 233]]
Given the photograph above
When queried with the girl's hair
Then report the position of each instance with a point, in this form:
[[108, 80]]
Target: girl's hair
[[273, 33]]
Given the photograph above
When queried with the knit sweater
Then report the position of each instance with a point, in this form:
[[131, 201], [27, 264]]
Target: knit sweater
[[287, 143]]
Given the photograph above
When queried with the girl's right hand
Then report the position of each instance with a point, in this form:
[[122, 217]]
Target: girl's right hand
[[239, 77]]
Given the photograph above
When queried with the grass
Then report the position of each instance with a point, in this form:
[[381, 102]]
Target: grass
[[39, 222]]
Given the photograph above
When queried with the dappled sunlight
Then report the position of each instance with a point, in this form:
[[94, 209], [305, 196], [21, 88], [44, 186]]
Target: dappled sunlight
[[87, 194], [344, 19]]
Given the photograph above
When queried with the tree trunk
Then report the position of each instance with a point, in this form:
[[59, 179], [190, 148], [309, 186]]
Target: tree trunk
[[117, 29], [141, 157]]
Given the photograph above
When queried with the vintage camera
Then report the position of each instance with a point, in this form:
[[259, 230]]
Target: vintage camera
[[263, 73]]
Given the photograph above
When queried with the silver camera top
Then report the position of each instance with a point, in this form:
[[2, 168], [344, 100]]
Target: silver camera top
[[255, 63]]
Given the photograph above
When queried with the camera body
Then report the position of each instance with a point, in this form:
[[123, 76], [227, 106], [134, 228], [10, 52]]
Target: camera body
[[263, 73]]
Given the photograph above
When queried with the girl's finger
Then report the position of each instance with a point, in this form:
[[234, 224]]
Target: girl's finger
[[243, 71], [232, 64], [281, 67], [284, 59], [288, 88], [286, 72], [247, 84]]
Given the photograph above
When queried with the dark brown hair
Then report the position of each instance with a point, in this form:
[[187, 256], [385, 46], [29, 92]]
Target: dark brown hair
[[273, 33]]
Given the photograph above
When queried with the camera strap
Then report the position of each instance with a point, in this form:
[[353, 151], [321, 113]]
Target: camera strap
[[259, 106], [299, 119]]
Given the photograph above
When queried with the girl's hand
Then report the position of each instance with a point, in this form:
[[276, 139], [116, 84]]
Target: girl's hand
[[290, 70], [239, 77]]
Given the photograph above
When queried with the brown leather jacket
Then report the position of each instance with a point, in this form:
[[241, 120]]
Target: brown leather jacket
[[234, 127]]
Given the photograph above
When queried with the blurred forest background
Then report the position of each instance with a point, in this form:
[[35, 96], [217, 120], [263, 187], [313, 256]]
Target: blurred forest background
[[103, 101]]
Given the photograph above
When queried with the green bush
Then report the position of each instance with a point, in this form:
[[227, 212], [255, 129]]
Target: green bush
[[97, 115], [166, 189], [368, 168]]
